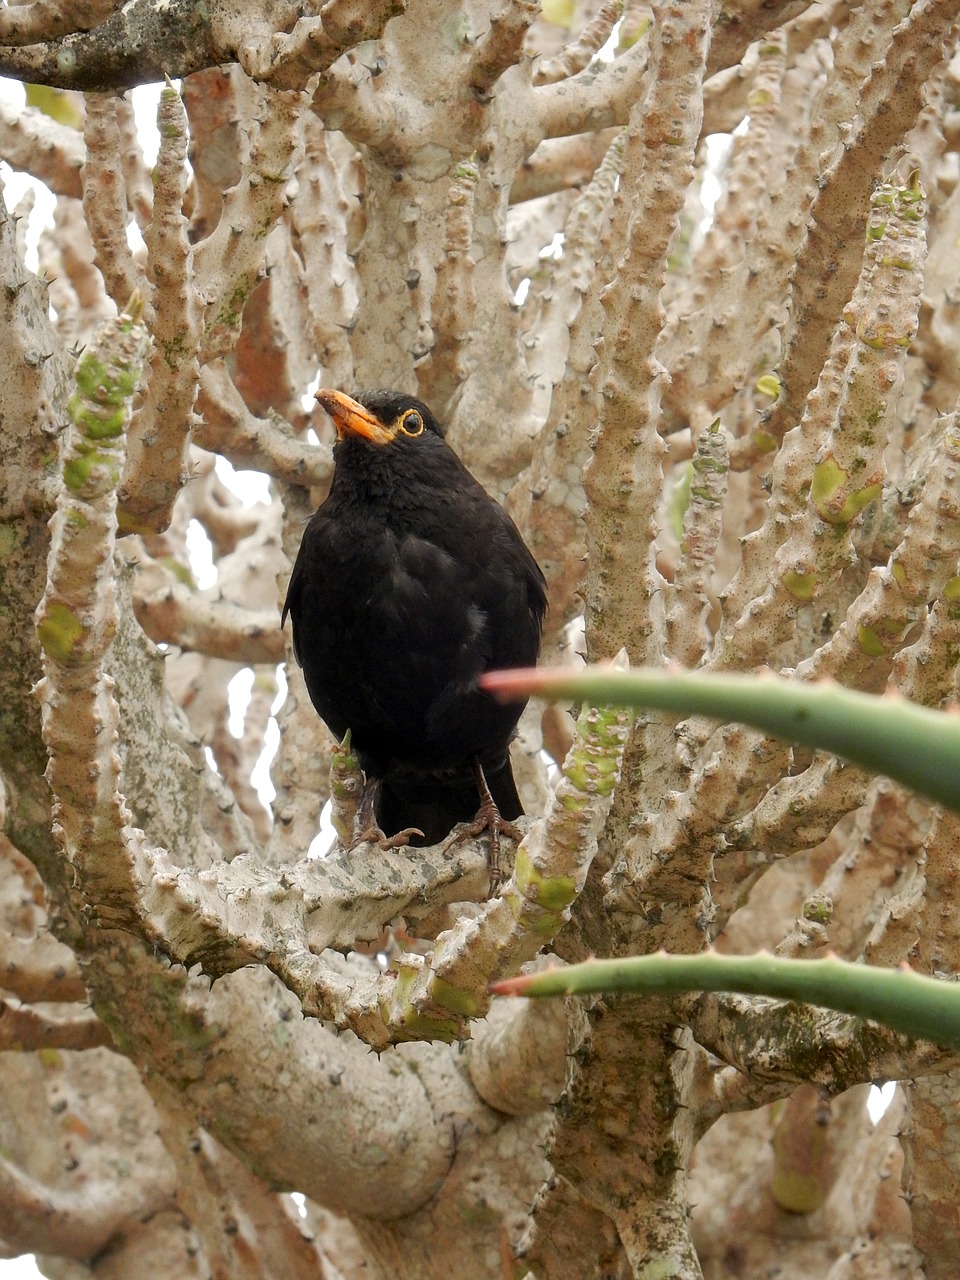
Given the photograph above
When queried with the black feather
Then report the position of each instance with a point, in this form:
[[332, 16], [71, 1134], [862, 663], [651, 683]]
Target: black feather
[[411, 582]]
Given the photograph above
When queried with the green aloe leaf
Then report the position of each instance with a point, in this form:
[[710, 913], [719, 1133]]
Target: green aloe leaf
[[927, 1008], [882, 733]]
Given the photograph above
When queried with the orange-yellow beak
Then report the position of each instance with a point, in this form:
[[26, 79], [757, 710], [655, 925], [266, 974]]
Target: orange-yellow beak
[[351, 418]]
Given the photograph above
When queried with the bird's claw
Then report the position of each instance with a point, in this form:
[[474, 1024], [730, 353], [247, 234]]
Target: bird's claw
[[488, 819], [373, 835], [401, 839]]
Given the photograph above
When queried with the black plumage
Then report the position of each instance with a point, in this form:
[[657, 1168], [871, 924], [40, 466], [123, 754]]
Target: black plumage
[[411, 581]]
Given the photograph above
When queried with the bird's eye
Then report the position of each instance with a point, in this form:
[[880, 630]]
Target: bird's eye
[[411, 424]]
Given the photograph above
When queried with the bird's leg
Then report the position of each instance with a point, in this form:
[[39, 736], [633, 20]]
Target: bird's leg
[[367, 822], [487, 818]]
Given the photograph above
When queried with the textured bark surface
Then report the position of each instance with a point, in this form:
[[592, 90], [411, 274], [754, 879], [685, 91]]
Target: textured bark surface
[[729, 434]]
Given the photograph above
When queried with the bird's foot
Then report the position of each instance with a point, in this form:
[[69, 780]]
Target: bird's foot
[[401, 839], [370, 832], [488, 819], [373, 835]]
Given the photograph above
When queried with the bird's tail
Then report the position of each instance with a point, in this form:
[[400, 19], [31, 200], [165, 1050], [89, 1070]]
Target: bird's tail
[[436, 805]]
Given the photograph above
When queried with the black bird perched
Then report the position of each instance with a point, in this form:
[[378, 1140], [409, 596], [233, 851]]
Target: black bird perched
[[411, 582]]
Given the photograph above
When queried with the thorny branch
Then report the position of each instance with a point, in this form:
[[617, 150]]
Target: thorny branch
[[769, 406]]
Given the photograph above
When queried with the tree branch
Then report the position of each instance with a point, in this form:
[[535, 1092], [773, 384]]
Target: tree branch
[[740, 1030], [105, 200], [171, 613], [518, 1055], [25, 1028], [887, 105], [229, 260], [501, 45], [315, 43], [77, 618], [32, 142], [40, 969], [158, 449], [36, 1217], [599, 97], [42, 20], [622, 482], [140, 42], [266, 444]]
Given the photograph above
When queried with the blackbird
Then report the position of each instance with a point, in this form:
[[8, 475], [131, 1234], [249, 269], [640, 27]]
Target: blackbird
[[411, 581]]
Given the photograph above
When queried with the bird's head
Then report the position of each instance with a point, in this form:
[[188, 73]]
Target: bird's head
[[381, 417]]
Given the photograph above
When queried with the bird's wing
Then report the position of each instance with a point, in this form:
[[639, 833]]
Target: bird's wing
[[393, 624], [435, 623], [493, 597], [291, 604]]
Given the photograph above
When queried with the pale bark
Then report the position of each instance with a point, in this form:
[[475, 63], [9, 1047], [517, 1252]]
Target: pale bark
[[730, 447]]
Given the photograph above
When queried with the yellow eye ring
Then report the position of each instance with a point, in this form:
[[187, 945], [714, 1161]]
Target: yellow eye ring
[[411, 424]]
